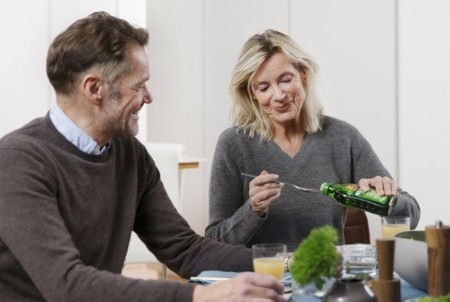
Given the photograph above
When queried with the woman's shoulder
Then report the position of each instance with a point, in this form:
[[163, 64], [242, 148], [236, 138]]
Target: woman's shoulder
[[233, 134], [234, 139], [337, 126]]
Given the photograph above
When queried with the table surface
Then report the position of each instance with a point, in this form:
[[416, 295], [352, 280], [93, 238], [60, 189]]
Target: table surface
[[208, 277]]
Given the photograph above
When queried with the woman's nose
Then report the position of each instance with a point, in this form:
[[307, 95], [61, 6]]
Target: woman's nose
[[279, 94]]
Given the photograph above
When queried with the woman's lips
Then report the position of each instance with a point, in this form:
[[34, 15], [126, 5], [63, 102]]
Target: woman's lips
[[285, 107]]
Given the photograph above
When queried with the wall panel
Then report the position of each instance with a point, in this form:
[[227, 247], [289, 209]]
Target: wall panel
[[195, 43], [424, 103], [356, 52], [228, 24], [24, 31], [176, 114]]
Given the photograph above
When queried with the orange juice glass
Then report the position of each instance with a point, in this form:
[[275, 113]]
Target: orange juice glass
[[392, 225], [268, 258]]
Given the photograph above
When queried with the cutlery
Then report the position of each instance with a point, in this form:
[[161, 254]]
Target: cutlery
[[209, 279], [286, 183], [287, 279]]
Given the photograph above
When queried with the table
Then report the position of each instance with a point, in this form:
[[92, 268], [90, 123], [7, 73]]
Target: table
[[209, 277], [189, 162]]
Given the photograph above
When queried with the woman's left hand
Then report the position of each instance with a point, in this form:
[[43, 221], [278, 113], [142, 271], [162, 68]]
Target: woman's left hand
[[383, 185]]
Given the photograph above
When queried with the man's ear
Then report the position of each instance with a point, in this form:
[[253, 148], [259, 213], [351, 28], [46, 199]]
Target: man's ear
[[93, 87]]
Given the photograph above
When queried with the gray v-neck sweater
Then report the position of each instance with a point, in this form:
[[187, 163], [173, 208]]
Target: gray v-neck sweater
[[337, 153], [66, 218]]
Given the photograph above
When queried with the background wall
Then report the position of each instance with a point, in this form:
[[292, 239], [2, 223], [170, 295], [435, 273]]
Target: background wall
[[384, 67], [424, 104], [347, 39]]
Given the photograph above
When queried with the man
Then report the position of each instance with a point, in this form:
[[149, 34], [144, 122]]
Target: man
[[75, 183]]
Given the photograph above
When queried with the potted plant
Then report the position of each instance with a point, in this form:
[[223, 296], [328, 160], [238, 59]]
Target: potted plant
[[314, 271], [315, 261]]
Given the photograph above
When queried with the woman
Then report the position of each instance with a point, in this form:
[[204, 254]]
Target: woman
[[280, 132]]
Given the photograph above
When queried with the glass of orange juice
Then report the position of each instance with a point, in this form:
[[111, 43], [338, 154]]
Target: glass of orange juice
[[392, 225], [268, 258]]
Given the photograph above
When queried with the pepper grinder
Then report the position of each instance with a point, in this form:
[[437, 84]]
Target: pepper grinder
[[385, 286], [438, 244]]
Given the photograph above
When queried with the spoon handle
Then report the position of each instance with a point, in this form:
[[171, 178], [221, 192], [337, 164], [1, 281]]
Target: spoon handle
[[286, 183]]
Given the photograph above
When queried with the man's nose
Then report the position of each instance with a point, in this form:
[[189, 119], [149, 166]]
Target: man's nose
[[147, 96]]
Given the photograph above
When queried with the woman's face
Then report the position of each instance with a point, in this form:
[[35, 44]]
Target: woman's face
[[278, 88]]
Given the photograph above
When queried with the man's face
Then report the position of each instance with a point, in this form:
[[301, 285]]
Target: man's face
[[127, 96]]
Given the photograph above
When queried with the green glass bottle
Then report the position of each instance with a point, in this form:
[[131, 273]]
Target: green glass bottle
[[350, 195]]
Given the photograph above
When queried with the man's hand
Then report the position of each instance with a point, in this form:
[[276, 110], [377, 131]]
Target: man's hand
[[244, 287]]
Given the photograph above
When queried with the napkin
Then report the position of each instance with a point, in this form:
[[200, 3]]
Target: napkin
[[209, 277]]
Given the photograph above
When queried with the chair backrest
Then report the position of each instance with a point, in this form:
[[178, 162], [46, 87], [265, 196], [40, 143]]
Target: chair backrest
[[356, 228], [167, 163]]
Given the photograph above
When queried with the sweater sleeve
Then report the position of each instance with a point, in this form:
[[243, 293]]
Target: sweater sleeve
[[40, 257], [231, 218], [41, 248], [366, 164], [167, 234]]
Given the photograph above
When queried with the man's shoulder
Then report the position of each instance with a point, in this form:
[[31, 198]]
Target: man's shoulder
[[26, 134]]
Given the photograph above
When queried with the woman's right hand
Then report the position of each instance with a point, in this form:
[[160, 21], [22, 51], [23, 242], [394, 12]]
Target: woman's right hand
[[263, 192]]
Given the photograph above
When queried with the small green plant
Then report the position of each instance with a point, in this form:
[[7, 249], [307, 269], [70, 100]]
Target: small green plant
[[445, 298], [316, 257]]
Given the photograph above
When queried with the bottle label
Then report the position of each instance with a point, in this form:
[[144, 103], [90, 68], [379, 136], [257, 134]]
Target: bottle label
[[351, 196], [372, 196]]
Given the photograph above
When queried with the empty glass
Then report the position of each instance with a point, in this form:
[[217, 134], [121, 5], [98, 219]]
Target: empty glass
[[359, 258]]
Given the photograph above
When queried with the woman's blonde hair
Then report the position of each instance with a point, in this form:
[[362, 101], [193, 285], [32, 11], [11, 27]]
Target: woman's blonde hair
[[247, 115]]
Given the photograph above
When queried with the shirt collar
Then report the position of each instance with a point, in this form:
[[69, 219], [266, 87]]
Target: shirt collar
[[74, 134]]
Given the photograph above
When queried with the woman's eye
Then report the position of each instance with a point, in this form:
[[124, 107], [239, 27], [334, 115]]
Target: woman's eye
[[262, 88], [286, 79]]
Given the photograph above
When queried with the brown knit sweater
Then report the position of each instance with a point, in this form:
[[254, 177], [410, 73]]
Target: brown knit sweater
[[66, 219]]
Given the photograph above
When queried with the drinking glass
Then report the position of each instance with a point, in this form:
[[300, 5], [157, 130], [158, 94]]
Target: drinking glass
[[359, 258], [268, 258], [392, 225]]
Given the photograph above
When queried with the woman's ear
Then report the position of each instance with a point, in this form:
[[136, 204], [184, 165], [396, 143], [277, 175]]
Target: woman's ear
[[303, 77]]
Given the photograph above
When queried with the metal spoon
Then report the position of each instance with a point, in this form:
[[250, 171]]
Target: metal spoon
[[286, 183]]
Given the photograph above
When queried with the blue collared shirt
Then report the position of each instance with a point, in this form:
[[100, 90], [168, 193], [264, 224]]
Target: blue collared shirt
[[74, 134]]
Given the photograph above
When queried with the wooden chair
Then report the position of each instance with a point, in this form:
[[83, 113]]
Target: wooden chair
[[356, 228]]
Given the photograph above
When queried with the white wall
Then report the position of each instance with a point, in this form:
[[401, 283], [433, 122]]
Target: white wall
[[424, 104], [177, 112], [27, 28], [356, 55], [346, 37], [194, 45], [358, 46], [24, 34]]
